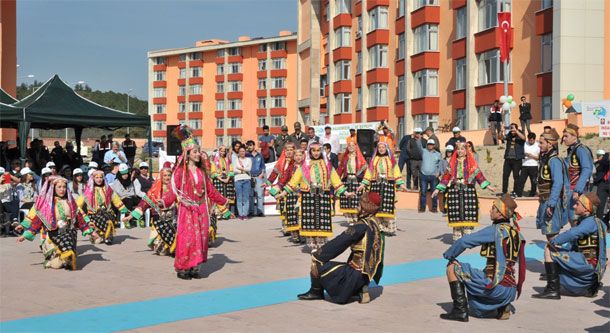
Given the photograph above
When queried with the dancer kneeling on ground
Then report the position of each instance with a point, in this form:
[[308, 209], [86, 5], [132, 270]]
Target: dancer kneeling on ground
[[56, 214], [580, 268], [341, 280], [491, 291]]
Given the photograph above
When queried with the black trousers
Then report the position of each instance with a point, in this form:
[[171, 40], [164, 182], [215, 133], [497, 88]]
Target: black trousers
[[530, 172], [603, 191], [513, 166]]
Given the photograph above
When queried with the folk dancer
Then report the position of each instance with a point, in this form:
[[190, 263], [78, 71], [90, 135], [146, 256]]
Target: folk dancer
[[579, 161], [288, 206], [222, 174], [351, 171]]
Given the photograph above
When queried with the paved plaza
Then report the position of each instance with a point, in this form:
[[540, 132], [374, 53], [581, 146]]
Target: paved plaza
[[253, 276]]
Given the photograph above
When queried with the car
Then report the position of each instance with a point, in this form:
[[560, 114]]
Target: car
[[156, 145]]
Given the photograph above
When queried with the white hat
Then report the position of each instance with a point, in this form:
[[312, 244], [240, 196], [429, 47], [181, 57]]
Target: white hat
[[90, 172], [25, 171], [45, 171], [143, 165], [2, 170], [92, 165], [431, 142], [456, 129], [601, 152], [449, 148], [77, 171], [417, 130], [123, 168], [50, 164]]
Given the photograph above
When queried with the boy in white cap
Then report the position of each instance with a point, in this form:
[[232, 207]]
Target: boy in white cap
[[51, 165], [143, 181], [93, 165], [457, 137], [430, 171], [414, 150]]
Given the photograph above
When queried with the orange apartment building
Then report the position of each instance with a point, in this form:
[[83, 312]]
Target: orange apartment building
[[419, 63], [224, 90], [8, 55]]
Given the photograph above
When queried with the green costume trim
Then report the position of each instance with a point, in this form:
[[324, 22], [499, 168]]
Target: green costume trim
[[28, 235], [485, 184]]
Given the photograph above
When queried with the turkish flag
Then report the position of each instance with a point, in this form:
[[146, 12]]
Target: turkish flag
[[505, 35]]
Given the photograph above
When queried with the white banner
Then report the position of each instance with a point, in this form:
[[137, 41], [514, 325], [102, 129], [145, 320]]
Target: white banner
[[163, 157], [593, 113], [342, 130]]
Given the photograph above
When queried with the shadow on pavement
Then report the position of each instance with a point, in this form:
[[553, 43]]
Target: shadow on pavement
[[219, 240], [447, 306], [82, 261], [215, 263], [89, 247], [534, 265], [121, 238], [605, 328], [445, 238]]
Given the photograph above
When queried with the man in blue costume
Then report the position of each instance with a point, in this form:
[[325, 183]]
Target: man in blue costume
[[579, 161], [580, 266], [488, 292]]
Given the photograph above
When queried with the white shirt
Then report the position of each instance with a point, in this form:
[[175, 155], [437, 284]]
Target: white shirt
[[245, 163], [333, 141], [532, 150]]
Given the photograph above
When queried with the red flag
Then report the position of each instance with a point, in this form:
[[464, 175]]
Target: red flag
[[505, 35]]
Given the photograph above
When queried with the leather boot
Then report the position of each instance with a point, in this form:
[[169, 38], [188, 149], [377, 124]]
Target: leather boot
[[503, 312], [315, 292], [460, 303], [184, 275], [551, 291], [364, 296]]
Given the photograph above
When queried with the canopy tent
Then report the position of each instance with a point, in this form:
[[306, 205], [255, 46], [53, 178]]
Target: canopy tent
[[6, 98], [55, 105]]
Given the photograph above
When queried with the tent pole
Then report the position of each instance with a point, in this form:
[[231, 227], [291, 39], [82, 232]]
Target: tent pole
[[78, 134]]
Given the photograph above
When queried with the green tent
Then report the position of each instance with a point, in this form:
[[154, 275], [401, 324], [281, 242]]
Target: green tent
[[5, 98]]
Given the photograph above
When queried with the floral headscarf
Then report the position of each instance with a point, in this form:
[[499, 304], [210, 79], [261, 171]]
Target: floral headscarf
[[89, 191], [45, 204]]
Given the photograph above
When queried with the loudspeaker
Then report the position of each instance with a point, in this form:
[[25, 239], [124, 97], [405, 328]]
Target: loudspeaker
[[174, 146], [366, 142]]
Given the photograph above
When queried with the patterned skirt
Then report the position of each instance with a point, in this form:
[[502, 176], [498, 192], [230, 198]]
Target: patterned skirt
[[213, 229], [316, 215], [165, 225], [387, 192], [462, 206], [291, 212], [104, 222], [62, 244], [350, 205], [226, 190]]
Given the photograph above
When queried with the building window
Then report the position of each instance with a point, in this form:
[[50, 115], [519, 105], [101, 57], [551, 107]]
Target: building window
[[220, 123], [278, 101], [343, 36], [159, 92], [401, 8], [234, 51], [378, 18], [158, 125], [262, 84], [220, 53], [234, 67], [195, 71], [262, 121], [343, 103], [220, 105], [359, 27], [488, 14], [278, 46], [195, 56], [461, 120], [262, 102], [400, 51], [262, 48], [546, 62], [278, 82], [233, 138], [483, 114], [181, 107], [400, 89], [219, 141], [262, 65], [182, 57], [234, 86], [378, 56], [426, 83], [426, 38], [195, 107], [195, 124], [220, 69], [342, 70], [234, 104], [159, 76], [343, 7], [182, 74], [491, 70], [159, 108], [278, 63], [546, 4], [159, 60], [358, 62], [425, 121], [220, 87], [235, 122], [323, 84], [421, 3], [195, 89], [460, 23], [181, 90], [327, 12], [401, 127], [277, 121], [460, 74], [359, 99], [547, 110], [378, 94]]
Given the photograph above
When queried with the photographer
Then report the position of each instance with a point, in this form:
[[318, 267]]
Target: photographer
[[513, 157]]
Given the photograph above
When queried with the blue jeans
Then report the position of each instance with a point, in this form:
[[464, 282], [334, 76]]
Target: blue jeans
[[402, 161], [257, 208], [243, 190], [424, 182]]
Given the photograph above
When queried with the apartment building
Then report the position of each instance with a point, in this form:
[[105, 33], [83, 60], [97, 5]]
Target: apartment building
[[224, 91]]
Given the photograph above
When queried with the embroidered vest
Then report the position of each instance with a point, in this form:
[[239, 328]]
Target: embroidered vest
[[574, 164], [511, 253], [545, 181]]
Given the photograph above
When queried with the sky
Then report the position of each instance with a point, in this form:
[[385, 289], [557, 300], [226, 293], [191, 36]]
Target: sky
[[105, 43]]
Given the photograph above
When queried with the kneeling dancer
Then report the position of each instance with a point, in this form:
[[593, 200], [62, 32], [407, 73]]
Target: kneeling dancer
[[488, 292], [343, 280]]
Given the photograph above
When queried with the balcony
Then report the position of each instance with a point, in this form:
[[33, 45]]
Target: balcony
[[343, 118], [426, 14], [159, 100], [261, 93], [342, 20], [278, 92], [235, 131], [219, 114], [457, 4], [425, 60], [219, 131], [219, 78], [458, 48], [160, 67], [490, 39], [544, 22], [378, 113], [196, 98], [196, 80], [378, 75], [235, 77], [235, 113], [196, 63], [279, 73], [400, 25], [235, 95], [425, 105], [219, 60], [159, 116], [279, 54], [235, 58], [343, 86], [544, 84], [219, 96], [487, 94], [379, 36], [342, 53], [399, 109], [370, 4], [261, 112], [459, 99], [159, 84], [278, 111]]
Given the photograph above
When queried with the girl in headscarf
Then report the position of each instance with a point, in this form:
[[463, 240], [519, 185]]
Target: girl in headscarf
[[282, 172], [462, 202], [382, 176], [96, 206], [56, 214], [26, 189], [222, 174], [207, 167], [351, 170]]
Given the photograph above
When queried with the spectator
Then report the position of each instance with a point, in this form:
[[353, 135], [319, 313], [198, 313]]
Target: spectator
[[470, 147], [431, 136], [58, 154], [38, 154], [387, 137], [328, 137], [297, 135], [26, 189], [9, 198], [281, 140], [123, 187], [495, 121], [30, 165], [529, 168], [103, 148], [242, 168], [403, 159], [513, 157], [525, 114], [303, 146], [115, 155], [44, 174], [129, 148], [66, 172], [266, 137], [601, 180], [457, 137], [547, 129], [444, 168], [77, 185], [352, 137], [92, 165], [4, 161], [430, 171], [235, 145], [73, 159], [267, 152], [257, 172], [95, 152], [415, 149], [110, 141], [330, 156], [311, 136], [111, 176], [143, 181]]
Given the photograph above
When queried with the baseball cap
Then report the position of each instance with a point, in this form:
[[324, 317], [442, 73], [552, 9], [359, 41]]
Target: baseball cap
[[50, 165], [92, 165], [417, 130], [601, 152], [284, 128], [123, 168], [449, 148], [431, 142], [45, 171], [2, 170], [77, 171], [143, 165], [456, 129], [25, 171]]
